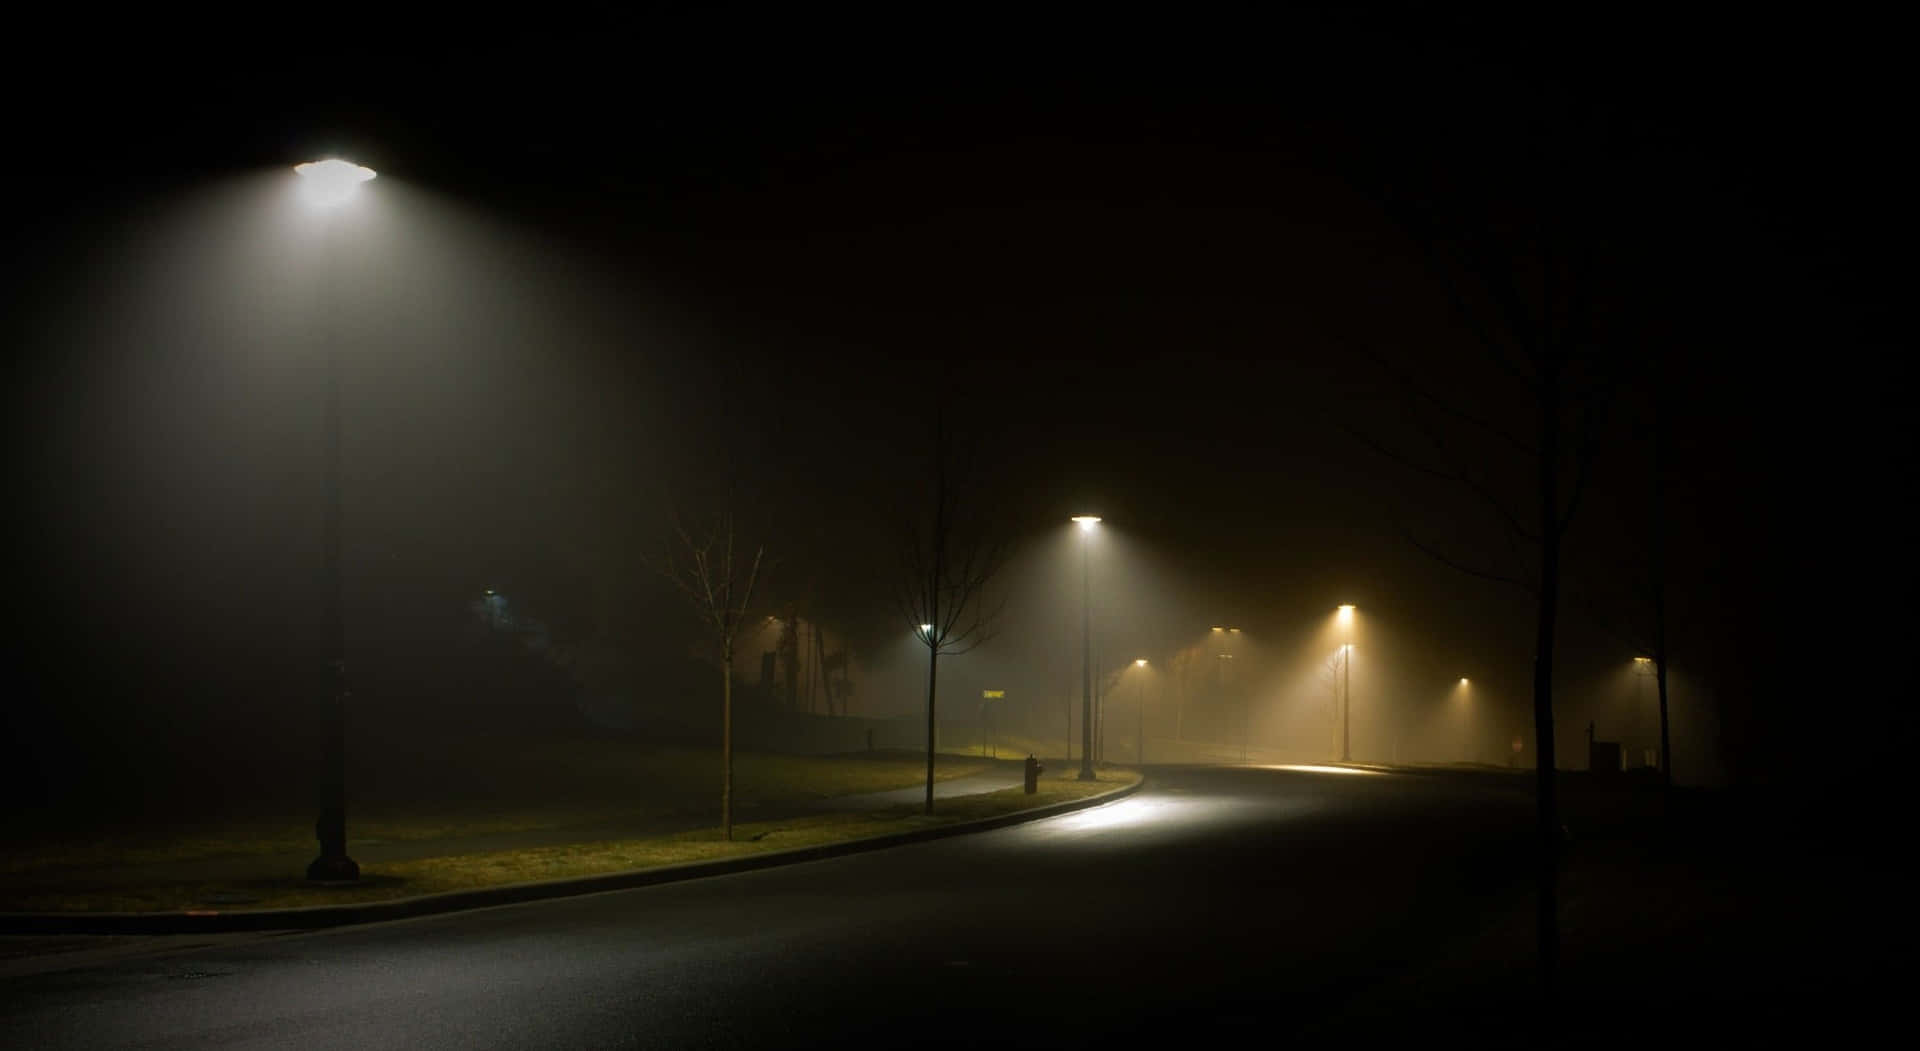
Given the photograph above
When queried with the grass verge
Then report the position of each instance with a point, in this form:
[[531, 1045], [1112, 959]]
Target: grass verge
[[543, 785], [499, 867]]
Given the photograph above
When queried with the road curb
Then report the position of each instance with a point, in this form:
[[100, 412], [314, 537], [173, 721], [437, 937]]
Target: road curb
[[315, 917]]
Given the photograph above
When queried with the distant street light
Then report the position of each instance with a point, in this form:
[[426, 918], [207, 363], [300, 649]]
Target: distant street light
[[1222, 677], [1086, 523], [1466, 721], [327, 185], [1140, 701], [1346, 702], [1645, 670], [1231, 679]]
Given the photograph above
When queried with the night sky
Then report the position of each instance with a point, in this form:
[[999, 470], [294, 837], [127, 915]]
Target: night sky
[[1154, 278]]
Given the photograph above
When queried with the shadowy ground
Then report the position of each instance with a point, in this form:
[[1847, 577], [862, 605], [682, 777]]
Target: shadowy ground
[[1705, 917]]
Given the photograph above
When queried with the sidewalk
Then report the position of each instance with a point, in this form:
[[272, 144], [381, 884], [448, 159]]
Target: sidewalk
[[992, 781]]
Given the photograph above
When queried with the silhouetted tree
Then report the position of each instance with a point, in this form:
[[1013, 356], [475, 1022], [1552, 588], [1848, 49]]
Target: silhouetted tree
[[948, 554], [712, 568], [1515, 263]]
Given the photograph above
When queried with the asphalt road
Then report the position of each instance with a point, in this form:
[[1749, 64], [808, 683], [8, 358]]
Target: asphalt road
[[1215, 903]]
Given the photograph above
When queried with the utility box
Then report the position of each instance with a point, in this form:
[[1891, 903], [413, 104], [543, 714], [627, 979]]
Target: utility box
[[1603, 759]]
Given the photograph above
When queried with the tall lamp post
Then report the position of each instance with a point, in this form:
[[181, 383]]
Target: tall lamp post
[[1140, 702], [1346, 700], [1086, 524], [327, 185], [1231, 681], [1466, 720], [1644, 667], [1224, 665]]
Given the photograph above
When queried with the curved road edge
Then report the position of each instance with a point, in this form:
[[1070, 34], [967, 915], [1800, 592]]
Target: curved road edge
[[314, 917]]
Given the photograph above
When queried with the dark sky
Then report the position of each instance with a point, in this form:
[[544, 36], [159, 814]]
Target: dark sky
[[1150, 269]]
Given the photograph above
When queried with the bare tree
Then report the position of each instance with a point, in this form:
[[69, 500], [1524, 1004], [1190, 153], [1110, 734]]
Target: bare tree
[[947, 557], [1520, 283], [711, 567]]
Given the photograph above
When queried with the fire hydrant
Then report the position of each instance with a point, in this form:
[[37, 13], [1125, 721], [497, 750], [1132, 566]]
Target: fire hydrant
[[1033, 775]]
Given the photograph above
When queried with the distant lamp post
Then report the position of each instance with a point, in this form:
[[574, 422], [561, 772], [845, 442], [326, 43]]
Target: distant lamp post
[[1643, 667], [326, 185], [1223, 668], [1346, 703], [1230, 680], [1466, 719], [1140, 702], [1086, 524], [1346, 674]]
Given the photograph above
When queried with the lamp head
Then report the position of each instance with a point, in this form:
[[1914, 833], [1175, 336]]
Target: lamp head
[[330, 182]]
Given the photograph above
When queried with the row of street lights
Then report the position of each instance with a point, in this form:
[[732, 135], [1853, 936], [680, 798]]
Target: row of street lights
[[1345, 613], [327, 185]]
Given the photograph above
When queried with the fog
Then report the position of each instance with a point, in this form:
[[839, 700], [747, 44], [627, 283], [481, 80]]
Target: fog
[[528, 411]]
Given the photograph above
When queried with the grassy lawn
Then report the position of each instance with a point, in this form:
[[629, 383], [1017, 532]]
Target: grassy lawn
[[494, 868], [482, 788]]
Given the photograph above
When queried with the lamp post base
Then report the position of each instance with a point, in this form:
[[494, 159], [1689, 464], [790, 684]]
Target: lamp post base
[[1086, 775], [333, 868]]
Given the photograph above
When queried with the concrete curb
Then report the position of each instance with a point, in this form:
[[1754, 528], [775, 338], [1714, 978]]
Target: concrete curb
[[315, 917]]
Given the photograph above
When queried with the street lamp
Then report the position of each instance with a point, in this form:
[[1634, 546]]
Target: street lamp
[[1223, 680], [326, 185], [1140, 702], [1466, 719], [1086, 524], [1346, 702], [1644, 669], [1229, 680]]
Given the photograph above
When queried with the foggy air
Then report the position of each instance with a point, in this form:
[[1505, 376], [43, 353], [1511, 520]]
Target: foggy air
[[1378, 539]]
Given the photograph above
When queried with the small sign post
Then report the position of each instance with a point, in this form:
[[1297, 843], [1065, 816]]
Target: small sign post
[[991, 747]]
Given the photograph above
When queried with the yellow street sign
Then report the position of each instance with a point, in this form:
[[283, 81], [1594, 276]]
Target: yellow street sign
[[992, 694]]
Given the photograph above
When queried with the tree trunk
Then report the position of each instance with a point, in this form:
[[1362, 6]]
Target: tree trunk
[[1549, 824], [933, 667], [726, 741]]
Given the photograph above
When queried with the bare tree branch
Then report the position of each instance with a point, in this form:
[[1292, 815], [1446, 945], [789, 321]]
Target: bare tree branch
[[1487, 331], [1457, 476], [1452, 563], [1420, 393]]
